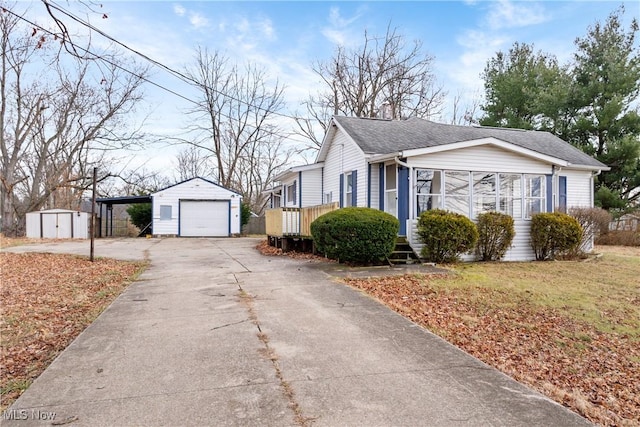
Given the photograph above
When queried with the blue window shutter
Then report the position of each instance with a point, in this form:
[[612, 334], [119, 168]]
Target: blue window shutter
[[341, 190], [369, 186], [354, 188], [381, 187], [562, 193], [300, 189], [549, 193]]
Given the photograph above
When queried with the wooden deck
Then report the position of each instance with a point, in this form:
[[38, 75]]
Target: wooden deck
[[283, 225]]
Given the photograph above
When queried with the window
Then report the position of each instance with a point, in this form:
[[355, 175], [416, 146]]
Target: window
[[428, 190], [457, 192], [328, 197], [348, 191], [484, 192], [535, 191], [390, 190], [511, 194], [291, 194], [165, 212]]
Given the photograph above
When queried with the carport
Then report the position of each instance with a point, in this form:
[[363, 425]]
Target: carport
[[108, 202]]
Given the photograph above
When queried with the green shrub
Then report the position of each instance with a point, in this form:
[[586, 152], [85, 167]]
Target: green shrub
[[357, 235], [141, 216], [245, 214], [495, 234], [445, 235], [554, 234]]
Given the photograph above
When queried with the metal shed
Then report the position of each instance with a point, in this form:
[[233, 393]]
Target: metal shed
[[58, 224]]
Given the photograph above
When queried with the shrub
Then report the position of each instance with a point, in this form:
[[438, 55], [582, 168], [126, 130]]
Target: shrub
[[619, 238], [445, 235], [594, 221], [245, 214], [495, 234], [554, 234], [357, 235], [141, 216]]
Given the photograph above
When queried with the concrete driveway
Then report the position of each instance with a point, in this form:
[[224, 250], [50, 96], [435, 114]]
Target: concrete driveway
[[213, 333]]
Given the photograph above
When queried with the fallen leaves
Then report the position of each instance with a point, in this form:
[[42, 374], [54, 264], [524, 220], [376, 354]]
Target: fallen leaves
[[47, 300], [595, 373]]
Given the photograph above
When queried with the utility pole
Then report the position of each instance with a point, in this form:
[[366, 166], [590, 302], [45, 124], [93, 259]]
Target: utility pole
[[93, 212]]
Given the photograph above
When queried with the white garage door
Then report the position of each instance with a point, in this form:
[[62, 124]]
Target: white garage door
[[204, 218]]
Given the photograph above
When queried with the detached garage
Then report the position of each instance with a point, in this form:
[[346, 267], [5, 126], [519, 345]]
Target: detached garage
[[196, 208]]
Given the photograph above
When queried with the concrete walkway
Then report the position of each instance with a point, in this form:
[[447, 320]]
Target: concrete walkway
[[213, 333]]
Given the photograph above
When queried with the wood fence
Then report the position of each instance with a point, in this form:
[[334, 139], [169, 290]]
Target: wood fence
[[284, 222]]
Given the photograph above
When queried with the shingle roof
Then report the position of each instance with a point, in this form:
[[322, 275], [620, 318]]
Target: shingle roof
[[376, 136]]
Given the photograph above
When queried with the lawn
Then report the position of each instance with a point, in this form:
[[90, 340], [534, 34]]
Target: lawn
[[47, 300], [570, 329]]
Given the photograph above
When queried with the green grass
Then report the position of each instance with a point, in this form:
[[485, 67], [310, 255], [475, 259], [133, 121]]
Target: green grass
[[604, 291]]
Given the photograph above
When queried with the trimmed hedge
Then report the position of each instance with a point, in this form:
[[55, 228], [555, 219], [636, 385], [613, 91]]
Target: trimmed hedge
[[495, 234], [554, 234], [445, 235], [356, 235]]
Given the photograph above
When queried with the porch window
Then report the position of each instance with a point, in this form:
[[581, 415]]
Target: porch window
[[348, 191], [535, 195], [428, 190], [457, 192], [511, 194], [484, 192], [291, 193]]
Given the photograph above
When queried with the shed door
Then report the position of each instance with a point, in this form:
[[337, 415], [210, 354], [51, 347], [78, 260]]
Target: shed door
[[57, 225], [204, 218]]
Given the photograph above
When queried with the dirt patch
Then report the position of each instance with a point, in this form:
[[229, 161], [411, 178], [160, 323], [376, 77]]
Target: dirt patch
[[47, 300]]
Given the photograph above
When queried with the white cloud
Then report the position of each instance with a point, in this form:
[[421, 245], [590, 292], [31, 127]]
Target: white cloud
[[507, 14], [339, 29], [179, 10], [198, 20]]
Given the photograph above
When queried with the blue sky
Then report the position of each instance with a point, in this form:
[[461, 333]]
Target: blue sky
[[285, 38]]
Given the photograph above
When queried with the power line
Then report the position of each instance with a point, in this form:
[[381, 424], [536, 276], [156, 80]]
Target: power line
[[146, 79], [176, 73]]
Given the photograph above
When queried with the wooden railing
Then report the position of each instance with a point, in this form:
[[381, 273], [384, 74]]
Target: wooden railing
[[281, 222]]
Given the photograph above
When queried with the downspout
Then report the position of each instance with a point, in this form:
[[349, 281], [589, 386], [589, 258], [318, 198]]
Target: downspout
[[593, 196]]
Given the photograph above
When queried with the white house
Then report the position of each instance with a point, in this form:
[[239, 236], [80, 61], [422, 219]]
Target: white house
[[405, 167], [196, 208], [58, 224]]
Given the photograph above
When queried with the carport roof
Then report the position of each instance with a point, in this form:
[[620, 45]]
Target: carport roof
[[124, 200]]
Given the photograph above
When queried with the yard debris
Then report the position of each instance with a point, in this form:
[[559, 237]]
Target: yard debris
[[595, 374], [265, 249], [47, 300]]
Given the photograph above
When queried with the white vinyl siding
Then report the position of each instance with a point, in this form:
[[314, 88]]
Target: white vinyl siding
[[579, 188], [375, 186], [311, 191], [481, 158], [344, 156]]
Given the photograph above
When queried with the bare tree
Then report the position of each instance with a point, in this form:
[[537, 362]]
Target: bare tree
[[235, 123], [60, 117], [192, 161], [465, 114], [383, 70]]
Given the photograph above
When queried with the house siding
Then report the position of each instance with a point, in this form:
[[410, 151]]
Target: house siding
[[311, 190], [579, 188], [480, 158], [345, 156], [195, 189], [375, 186]]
